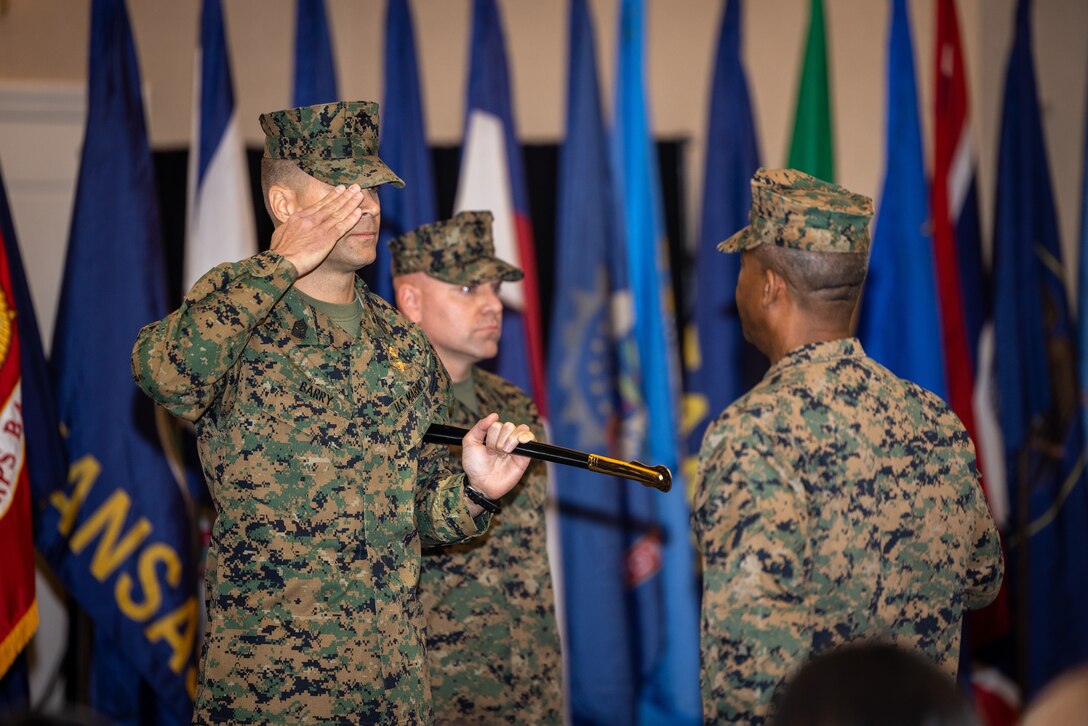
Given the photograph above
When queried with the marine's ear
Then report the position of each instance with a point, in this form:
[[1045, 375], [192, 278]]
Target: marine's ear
[[282, 202], [409, 299], [774, 287]]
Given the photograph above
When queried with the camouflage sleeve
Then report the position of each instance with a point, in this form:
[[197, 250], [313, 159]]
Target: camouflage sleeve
[[754, 540], [986, 565], [181, 361], [534, 423], [442, 515]]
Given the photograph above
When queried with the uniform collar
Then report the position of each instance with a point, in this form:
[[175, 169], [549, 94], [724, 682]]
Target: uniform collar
[[818, 352], [309, 326]]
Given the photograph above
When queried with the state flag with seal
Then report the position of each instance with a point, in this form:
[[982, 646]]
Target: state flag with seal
[[18, 606]]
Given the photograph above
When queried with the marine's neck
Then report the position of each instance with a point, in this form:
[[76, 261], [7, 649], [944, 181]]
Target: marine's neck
[[805, 330], [459, 368], [329, 286]]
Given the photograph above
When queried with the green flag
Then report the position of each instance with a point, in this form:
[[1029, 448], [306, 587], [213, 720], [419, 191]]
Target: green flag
[[812, 149]]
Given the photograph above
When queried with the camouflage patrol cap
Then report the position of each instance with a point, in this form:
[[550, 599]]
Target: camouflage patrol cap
[[334, 142], [459, 250], [792, 209]]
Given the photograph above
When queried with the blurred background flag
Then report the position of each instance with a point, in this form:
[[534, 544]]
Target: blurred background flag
[[899, 324], [122, 519], [964, 295], [721, 365], [661, 562], [221, 225], [45, 457], [1082, 285], [403, 146], [492, 177], [18, 602], [594, 406], [1047, 572], [962, 278], [953, 173], [812, 146], [315, 67]]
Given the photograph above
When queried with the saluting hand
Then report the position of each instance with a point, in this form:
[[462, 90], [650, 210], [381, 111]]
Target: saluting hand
[[307, 237], [486, 457]]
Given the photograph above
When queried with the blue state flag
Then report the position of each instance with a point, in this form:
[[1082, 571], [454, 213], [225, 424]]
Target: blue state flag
[[667, 590], [720, 364], [403, 146], [315, 69], [899, 323], [1036, 374], [123, 518], [593, 389]]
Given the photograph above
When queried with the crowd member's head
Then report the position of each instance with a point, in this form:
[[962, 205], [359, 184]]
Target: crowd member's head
[[447, 280], [1063, 701], [804, 256], [310, 150], [871, 684]]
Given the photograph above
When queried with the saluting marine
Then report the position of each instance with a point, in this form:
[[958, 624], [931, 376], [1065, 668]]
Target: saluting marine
[[310, 397]]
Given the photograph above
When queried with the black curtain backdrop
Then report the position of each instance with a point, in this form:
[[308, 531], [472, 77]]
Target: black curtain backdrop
[[541, 168]]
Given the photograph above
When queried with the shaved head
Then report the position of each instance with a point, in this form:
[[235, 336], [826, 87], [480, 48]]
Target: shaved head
[[819, 279]]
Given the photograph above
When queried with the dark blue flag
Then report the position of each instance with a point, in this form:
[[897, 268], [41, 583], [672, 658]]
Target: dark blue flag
[[315, 70], [721, 365], [123, 518], [15, 689], [899, 324], [403, 146], [1082, 286], [593, 392], [1037, 387]]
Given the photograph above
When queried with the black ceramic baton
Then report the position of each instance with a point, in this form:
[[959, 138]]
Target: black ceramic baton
[[659, 477]]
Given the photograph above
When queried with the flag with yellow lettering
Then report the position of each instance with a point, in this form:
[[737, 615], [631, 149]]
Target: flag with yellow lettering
[[18, 607], [126, 551]]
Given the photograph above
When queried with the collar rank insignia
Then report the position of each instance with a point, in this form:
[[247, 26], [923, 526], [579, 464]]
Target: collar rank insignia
[[394, 359]]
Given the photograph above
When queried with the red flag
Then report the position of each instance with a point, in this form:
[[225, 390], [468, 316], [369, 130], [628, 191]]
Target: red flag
[[951, 139], [18, 606], [960, 285]]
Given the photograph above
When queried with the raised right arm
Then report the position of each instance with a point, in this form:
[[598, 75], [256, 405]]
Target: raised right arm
[[181, 360]]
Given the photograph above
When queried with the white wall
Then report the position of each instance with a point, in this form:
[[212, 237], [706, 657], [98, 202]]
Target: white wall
[[45, 42]]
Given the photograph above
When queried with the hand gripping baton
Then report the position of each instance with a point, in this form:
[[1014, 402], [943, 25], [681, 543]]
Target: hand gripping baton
[[659, 477]]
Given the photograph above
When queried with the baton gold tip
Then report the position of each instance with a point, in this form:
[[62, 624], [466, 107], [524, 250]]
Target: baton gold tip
[[666, 477], [659, 477]]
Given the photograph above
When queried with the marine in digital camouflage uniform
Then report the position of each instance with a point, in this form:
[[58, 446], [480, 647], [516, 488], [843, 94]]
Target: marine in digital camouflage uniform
[[834, 502], [492, 642], [310, 436]]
